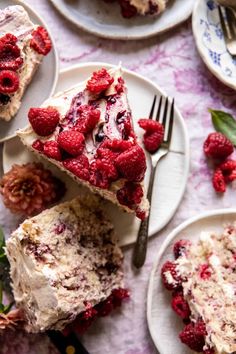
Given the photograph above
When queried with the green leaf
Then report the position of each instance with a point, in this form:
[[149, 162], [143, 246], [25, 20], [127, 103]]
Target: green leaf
[[7, 308], [2, 240], [224, 123]]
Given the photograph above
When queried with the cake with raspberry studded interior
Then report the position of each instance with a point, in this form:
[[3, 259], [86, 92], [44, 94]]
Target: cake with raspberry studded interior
[[88, 132]]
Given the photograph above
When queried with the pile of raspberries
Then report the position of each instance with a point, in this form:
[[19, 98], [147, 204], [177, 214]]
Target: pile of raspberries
[[218, 147], [193, 333], [11, 60], [114, 159]]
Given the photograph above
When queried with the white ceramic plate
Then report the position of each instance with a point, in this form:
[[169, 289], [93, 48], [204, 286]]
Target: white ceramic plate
[[210, 42], [173, 169], [42, 85], [105, 20], [164, 324]]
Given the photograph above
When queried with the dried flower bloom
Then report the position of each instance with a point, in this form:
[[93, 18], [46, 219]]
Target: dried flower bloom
[[28, 189], [12, 319]]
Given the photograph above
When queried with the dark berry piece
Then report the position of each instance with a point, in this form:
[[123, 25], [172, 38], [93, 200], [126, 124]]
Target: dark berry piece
[[72, 142], [218, 146], [132, 164], [127, 10], [41, 41], [130, 194], [100, 81], [4, 99], [181, 248], [9, 81]]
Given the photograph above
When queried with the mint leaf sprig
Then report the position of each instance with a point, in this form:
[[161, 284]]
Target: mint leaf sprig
[[224, 123], [4, 275]]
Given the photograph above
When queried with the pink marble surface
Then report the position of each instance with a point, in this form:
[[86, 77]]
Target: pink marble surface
[[172, 61]]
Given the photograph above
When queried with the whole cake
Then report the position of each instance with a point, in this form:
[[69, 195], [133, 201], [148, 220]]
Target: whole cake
[[87, 131], [65, 264], [22, 47], [203, 280]]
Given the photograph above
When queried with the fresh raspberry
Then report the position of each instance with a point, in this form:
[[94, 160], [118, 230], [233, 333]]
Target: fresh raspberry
[[9, 81], [218, 181], [8, 38], [205, 271], [128, 130], [10, 58], [132, 164], [52, 150], [88, 119], [120, 86], [89, 313], [100, 81], [228, 169], [181, 247], [116, 145], [127, 10], [38, 145], [217, 146], [180, 306], [72, 142], [108, 168], [154, 134], [193, 335], [118, 296], [79, 166], [44, 120], [170, 278], [130, 194], [41, 41], [98, 175]]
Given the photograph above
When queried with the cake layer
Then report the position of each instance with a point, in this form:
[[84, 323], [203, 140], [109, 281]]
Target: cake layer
[[62, 260]]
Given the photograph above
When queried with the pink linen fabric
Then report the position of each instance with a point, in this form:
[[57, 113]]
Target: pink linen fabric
[[171, 60]]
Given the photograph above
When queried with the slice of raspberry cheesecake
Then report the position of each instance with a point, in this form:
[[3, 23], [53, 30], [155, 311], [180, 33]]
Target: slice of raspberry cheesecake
[[203, 281], [66, 266], [87, 131], [22, 47]]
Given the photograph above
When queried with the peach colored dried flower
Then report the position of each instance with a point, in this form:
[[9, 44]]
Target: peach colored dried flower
[[29, 188], [12, 319]]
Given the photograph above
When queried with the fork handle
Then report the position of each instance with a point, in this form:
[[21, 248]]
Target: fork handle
[[140, 248]]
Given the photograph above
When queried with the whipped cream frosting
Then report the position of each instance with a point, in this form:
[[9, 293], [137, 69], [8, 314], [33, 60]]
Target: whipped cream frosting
[[15, 20], [213, 298], [60, 260]]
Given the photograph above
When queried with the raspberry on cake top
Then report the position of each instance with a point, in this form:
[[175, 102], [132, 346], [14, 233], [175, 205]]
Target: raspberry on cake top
[[87, 131], [203, 279], [66, 266], [22, 47]]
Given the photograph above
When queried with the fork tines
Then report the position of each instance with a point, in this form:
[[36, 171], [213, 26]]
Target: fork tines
[[164, 115]]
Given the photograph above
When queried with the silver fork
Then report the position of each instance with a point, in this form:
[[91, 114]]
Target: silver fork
[[140, 248], [228, 24]]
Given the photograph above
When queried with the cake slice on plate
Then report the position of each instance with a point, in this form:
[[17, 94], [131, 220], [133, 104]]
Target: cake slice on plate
[[87, 131], [203, 279], [66, 266], [22, 47]]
